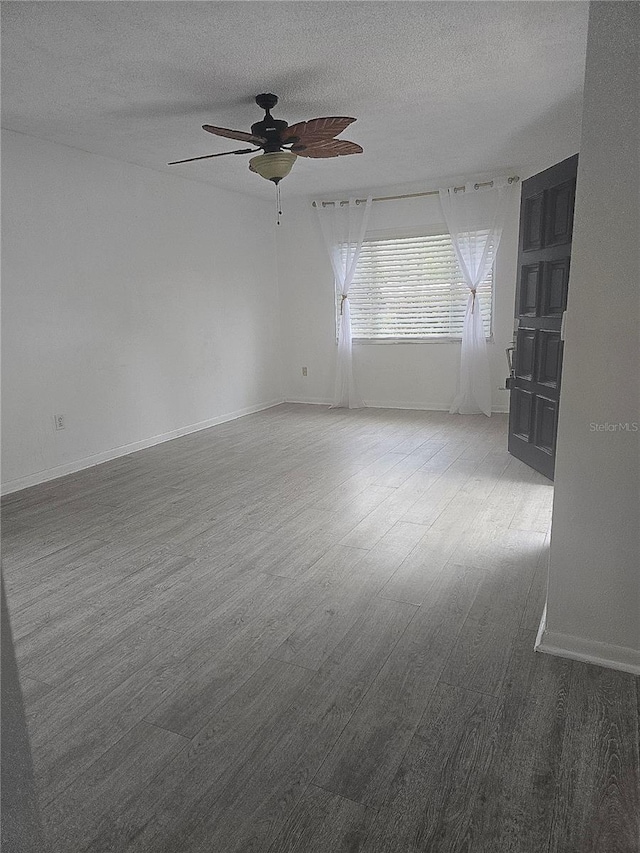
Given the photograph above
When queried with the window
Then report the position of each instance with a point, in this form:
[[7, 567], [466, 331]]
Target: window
[[410, 288]]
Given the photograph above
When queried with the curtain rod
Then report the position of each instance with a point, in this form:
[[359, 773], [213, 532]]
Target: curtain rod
[[512, 180]]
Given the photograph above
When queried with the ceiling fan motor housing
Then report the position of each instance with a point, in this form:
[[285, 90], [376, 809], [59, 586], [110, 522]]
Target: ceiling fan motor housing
[[269, 128]]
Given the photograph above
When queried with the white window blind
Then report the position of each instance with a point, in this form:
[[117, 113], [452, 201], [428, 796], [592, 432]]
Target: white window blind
[[411, 288]]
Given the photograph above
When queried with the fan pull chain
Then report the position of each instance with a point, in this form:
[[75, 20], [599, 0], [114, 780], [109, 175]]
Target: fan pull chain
[[278, 204]]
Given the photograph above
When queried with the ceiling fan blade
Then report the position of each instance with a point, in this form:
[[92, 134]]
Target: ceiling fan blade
[[209, 156], [328, 148], [234, 134], [319, 128], [308, 141]]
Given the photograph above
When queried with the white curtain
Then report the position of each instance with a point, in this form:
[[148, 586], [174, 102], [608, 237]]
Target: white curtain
[[343, 227], [475, 217]]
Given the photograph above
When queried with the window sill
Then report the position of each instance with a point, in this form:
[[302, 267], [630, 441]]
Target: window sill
[[434, 340]]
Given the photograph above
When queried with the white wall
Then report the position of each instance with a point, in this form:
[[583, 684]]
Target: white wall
[[412, 375], [593, 605], [135, 303]]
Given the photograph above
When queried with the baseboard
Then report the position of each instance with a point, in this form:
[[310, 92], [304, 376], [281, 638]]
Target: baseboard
[[310, 401], [383, 404], [587, 651], [541, 627], [414, 407], [124, 450], [410, 407]]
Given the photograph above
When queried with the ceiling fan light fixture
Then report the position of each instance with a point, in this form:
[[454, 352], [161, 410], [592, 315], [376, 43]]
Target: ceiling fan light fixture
[[273, 166]]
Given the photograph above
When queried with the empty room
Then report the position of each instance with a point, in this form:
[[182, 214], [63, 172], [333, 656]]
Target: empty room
[[320, 427]]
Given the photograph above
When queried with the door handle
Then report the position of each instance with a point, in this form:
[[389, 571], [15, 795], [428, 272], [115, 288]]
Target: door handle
[[509, 353], [562, 324]]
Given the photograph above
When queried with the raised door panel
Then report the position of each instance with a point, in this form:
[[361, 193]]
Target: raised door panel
[[556, 281], [533, 229], [549, 359], [546, 411], [530, 282], [522, 423], [559, 214], [526, 354]]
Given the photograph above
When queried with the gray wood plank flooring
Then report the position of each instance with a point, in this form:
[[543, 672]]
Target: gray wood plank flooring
[[322, 821], [310, 630], [440, 775], [598, 793], [363, 761]]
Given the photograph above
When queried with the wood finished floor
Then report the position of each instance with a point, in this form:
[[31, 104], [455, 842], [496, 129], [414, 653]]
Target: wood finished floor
[[310, 631]]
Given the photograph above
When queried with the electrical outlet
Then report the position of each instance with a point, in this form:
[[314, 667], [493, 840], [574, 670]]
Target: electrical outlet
[[304, 371], [59, 421]]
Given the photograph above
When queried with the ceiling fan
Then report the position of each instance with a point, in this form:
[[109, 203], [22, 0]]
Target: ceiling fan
[[281, 143]]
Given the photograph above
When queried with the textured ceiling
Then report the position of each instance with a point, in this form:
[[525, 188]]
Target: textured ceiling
[[438, 88]]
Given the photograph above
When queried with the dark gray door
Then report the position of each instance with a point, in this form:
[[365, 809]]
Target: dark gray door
[[544, 254]]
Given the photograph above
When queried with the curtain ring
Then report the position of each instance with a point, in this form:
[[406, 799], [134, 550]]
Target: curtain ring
[[473, 301], [344, 296]]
